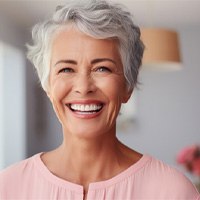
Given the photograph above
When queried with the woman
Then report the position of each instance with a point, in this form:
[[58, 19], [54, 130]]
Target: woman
[[87, 57]]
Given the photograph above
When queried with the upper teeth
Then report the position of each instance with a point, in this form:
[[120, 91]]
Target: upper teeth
[[85, 107]]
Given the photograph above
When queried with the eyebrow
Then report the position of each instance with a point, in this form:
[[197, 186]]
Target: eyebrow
[[66, 61], [97, 60]]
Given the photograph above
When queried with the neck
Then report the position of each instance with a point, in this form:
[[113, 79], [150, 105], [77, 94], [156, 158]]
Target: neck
[[90, 157], [83, 161]]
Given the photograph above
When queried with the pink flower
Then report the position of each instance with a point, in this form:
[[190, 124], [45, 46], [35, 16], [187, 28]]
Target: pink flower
[[186, 155], [190, 158]]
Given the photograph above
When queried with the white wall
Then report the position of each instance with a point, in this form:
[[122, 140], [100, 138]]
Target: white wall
[[13, 146], [12, 94], [168, 116], [1, 109], [14, 105]]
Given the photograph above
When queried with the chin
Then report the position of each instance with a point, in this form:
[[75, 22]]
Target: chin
[[89, 132]]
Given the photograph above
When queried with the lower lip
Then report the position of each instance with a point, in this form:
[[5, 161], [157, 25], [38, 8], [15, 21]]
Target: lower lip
[[85, 116]]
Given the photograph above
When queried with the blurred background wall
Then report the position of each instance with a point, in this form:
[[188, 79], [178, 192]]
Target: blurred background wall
[[167, 102]]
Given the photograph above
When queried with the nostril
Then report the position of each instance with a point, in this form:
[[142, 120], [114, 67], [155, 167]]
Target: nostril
[[84, 85], [81, 91]]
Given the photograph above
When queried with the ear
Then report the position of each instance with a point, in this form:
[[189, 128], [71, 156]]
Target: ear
[[127, 95]]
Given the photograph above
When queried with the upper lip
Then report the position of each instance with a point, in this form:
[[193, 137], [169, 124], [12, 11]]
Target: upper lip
[[88, 101]]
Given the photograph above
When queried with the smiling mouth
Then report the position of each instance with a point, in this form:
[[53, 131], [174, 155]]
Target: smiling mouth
[[85, 108]]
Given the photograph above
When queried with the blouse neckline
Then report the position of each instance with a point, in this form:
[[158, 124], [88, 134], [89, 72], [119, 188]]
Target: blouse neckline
[[92, 186]]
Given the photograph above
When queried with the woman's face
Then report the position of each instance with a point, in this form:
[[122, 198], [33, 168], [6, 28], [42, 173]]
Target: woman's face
[[87, 84]]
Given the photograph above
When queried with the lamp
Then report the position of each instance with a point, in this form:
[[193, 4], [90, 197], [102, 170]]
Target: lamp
[[162, 49]]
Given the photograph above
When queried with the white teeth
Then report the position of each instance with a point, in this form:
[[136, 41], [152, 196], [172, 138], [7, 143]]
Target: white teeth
[[87, 107], [82, 108]]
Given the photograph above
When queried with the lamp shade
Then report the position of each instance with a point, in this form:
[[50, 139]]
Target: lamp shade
[[161, 48]]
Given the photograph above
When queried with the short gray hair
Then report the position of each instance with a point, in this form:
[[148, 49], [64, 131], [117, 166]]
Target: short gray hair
[[96, 18]]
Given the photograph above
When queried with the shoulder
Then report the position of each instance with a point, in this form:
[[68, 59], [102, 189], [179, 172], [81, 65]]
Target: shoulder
[[16, 175], [167, 181], [16, 169]]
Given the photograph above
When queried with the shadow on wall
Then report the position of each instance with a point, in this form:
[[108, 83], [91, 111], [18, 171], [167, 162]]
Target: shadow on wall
[[43, 128]]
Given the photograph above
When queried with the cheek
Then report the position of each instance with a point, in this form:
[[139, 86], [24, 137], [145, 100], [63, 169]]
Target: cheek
[[113, 88], [58, 92], [59, 88]]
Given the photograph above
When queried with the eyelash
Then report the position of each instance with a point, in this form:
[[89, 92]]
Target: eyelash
[[104, 69], [98, 69], [69, 70]]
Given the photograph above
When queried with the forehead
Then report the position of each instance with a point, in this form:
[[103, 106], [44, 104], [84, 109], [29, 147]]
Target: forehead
[[71, 42]]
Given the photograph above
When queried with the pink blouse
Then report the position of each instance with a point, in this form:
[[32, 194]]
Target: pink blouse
[[148, 179]]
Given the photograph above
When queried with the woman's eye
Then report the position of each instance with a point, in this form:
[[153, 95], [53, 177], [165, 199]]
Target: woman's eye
[[103, 69], [66, 70]]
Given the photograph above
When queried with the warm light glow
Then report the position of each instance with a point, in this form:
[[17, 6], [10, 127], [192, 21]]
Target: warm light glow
[[161, 49]]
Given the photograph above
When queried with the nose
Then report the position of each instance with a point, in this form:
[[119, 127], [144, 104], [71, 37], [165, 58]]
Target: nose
[[84, 84]]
